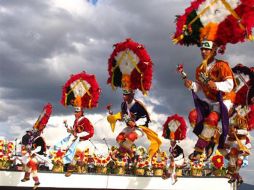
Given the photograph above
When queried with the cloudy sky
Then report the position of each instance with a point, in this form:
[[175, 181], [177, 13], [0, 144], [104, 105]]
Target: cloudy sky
[[43, 42]]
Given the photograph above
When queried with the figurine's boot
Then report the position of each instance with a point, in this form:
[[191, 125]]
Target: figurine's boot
[[70, 170], [26, 177], [36, 182], [196, 155], [231, 174]]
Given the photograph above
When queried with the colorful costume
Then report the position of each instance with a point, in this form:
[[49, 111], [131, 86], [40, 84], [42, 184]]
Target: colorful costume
[[135, 111], [174, 129], [211, 25], [222, 75], [81, 91], [38, 150], [82, 130], [211, 30], [177, 152], [36, 147], [36, 156], [130, 68], [237, 146]]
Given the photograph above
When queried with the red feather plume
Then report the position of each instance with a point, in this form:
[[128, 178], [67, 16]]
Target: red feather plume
[[78, 83], [179, 133], [42, 121], [140, 76], [234, 28]]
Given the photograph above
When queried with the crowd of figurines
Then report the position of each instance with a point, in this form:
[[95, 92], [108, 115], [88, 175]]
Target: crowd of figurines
[[117, 163]]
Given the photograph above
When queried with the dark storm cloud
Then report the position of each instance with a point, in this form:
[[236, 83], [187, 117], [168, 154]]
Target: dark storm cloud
[[42, 45]]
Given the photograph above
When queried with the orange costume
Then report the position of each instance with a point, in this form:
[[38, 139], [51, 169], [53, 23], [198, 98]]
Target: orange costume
[[219, 72]]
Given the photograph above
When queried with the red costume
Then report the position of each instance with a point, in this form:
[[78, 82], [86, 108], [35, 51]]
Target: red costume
[[81, 91], [82, 124], [36, 147], [36, 156]]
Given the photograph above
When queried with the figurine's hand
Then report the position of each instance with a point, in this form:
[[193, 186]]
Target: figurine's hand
[[131, 124], [212, 85], [74, 134], [70, 131], [187, 83], [65, 123]]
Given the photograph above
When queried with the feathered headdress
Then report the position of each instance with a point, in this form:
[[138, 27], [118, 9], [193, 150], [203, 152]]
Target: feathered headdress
[[174, 128], [42, 120], [81, 91], [244, 77], [220, 21], [130, 67]]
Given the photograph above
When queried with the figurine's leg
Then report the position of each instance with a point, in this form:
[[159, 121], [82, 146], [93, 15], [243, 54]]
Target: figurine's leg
[[120, 137], [199, 149], [232, 165], [132, 136], [125, 141], [120, 140], [238, 167], [28, 170], [210, 126], [36, 179], [27, 174], [193, 117], [33, 165], [71, 168]]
